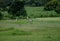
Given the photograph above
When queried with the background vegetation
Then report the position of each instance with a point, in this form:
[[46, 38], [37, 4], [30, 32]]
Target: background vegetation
[[17, 9]]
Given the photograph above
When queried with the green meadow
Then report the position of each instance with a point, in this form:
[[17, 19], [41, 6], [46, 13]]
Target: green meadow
[[29, 20], [41, 29], [38, 12]]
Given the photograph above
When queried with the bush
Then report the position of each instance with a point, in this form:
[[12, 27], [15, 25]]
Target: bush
[[17, 9], [57, 10], [53, 5]]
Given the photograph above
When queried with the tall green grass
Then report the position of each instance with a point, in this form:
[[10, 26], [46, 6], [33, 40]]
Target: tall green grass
[[41, 29], [38, 34], [13, 31]]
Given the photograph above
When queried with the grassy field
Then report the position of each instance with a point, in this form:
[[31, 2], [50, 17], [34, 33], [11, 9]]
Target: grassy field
[[37, 12], [41, 29]]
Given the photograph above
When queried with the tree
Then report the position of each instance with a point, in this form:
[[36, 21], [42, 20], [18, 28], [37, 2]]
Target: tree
[[17, 9], [53, 5], [57, 10], [36, 2], [4, 4]]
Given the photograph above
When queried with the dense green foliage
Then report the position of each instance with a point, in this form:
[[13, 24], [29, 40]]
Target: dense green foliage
[[53, 5], [36, 2], [15, 8]]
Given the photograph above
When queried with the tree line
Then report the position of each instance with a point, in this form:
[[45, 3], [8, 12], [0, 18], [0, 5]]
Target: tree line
[[36, 2], [15, 8], [53, 5]]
